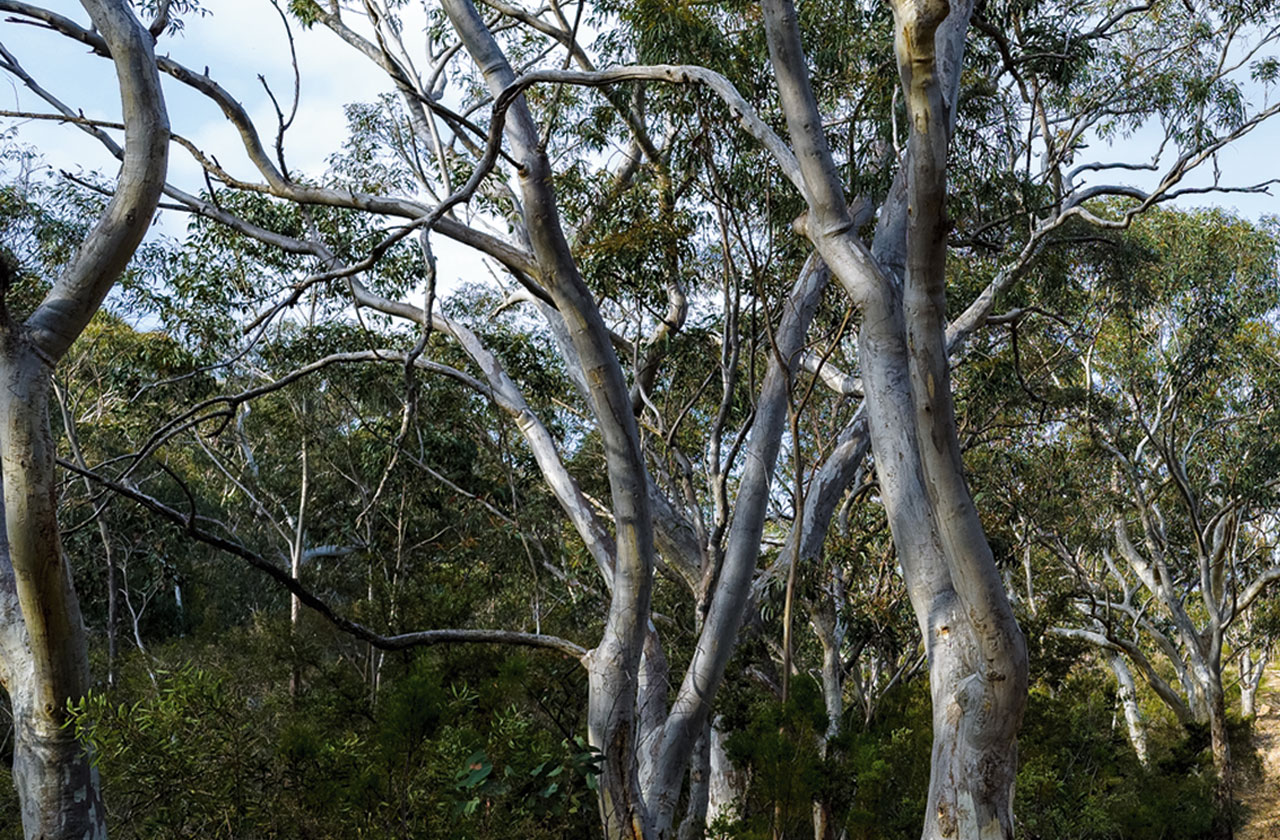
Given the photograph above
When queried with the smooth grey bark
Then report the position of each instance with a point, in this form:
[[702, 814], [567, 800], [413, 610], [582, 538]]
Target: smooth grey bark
[[613, 665], [829, 225], [1193, 640], [726, 784], [976, 652], [1199, 659], [830, 630], [1111, 643], [547, 261], [651, 703], [45, 661], [1253, 668], [1127, 694], [694, 824], [692, 705]]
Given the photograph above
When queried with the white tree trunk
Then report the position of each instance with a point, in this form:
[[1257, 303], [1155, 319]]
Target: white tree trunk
[[1253, 667], [1127, 694], [45, 658], [726, 784], [975, 757], [694, 824], [976, 652], [613, 666]]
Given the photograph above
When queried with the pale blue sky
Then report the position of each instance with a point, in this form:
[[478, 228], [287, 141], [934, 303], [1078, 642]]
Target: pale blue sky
[[240, 39]]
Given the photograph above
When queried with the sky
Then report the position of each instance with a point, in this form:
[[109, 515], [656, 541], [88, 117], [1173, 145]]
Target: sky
[[238, 40]]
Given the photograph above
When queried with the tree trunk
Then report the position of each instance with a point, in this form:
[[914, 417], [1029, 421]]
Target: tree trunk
[[73, 438], [694, 824], [725, 782], [295, 569], [976, 654], [830, 634], [1253, 668], [651, 709], [622, 811], [113, 600], [46, 657], [971, 773], [613, 666], [45, 661], [1127, 693], [1220, 744], [1248, 700]]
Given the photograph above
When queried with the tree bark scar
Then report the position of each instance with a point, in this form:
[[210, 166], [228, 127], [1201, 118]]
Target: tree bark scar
[[946, 820]]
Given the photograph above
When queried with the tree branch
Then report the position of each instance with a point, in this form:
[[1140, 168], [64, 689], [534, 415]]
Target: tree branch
[[402, 641]]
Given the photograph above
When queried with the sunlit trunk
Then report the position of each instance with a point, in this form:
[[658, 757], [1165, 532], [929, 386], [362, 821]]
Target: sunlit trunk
[[976, 654], [46, 663], [1253, 668], [726, 783], [975, 758], [1127, 694]]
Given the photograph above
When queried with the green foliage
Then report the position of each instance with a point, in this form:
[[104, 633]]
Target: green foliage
[[306, 11], [1078, 777], [874, 781], [224, 751], [558, 787], [235, 724], [1080, 780]]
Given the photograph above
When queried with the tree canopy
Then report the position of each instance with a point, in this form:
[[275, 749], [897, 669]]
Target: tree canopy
[[656, 418]]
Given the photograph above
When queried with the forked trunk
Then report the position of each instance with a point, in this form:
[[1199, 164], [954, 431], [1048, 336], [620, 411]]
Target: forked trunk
[[976, 653], [45, 659], [1253, 668]]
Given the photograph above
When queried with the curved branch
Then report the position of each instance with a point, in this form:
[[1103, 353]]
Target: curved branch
[[402, 641], [82, 286]]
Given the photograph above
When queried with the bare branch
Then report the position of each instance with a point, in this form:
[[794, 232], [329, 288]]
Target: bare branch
[[401, 641]]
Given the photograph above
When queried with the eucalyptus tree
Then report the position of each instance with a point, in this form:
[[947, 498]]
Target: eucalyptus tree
[[626, 555], [1026, 99], [43, 658], [1156, 378], [1254, 647]]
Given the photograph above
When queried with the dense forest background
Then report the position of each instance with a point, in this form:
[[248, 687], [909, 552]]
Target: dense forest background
[[340, 564]]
